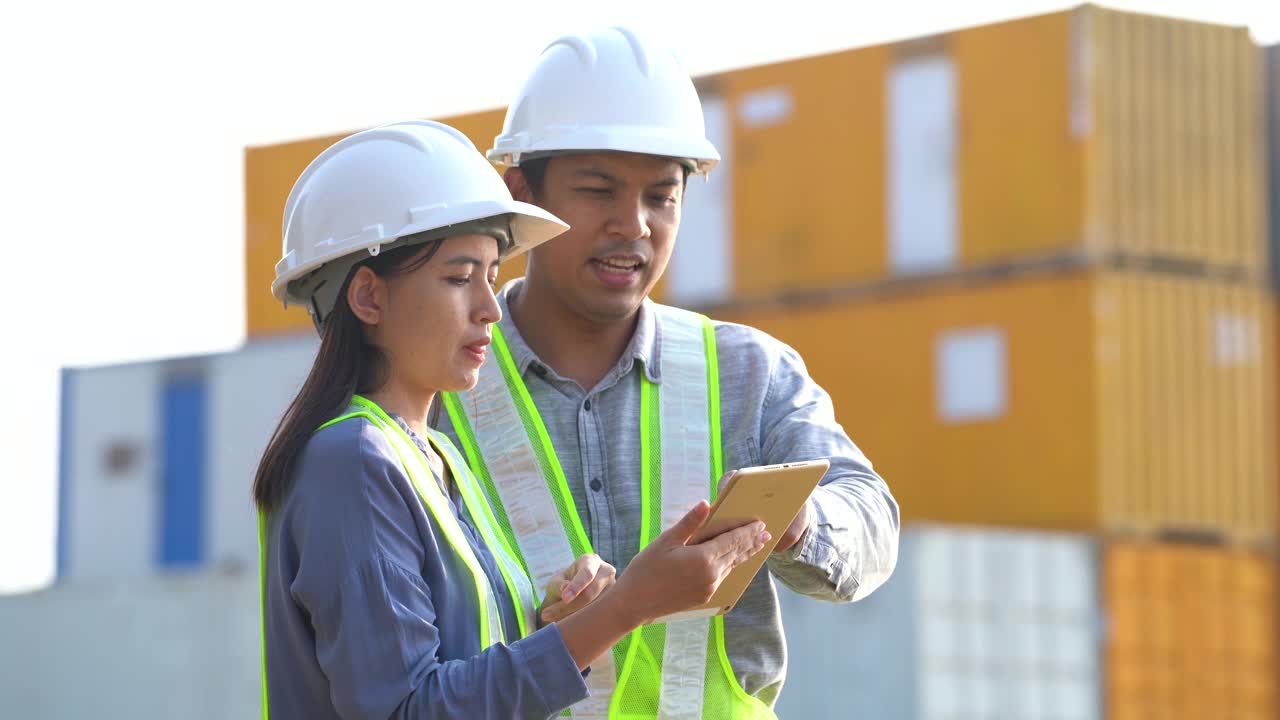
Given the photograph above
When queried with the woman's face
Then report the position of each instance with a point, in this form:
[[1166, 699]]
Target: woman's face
[[433, 322]]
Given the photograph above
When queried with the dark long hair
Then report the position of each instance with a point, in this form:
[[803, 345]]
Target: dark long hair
[[346, 364]]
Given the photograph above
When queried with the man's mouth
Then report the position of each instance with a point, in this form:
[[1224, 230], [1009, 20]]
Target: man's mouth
[[618, 264]]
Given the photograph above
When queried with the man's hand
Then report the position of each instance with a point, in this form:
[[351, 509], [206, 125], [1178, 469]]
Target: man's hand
[[796, 529]]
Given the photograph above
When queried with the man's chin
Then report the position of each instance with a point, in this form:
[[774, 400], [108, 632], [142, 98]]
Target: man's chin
[[614, 307]]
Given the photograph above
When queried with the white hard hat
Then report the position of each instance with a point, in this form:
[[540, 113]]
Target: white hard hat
[[607, 90], [406, 178]]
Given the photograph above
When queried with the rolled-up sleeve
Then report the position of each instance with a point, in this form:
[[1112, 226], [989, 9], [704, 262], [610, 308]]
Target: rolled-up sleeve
[[362, 552], [851, 547]]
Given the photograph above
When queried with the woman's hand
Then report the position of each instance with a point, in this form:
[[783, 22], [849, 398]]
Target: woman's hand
[[575, 587], [668, 576], [671, 574]]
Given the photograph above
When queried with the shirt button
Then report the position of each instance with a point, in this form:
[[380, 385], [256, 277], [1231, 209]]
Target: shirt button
[[587, 405], [596, 484]]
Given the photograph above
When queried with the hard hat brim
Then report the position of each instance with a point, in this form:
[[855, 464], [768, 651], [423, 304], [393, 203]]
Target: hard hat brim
[[530, 226], [511, 149]]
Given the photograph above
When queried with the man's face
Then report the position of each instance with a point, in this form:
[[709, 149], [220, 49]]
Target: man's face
[[623, 210]]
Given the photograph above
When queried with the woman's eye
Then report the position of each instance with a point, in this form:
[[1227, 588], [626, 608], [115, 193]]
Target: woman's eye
[[460, 280]]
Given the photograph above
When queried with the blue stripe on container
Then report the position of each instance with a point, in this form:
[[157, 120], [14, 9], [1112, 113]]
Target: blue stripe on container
[[182, 502]]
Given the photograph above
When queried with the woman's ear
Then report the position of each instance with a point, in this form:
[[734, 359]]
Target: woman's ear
[[366, 294]]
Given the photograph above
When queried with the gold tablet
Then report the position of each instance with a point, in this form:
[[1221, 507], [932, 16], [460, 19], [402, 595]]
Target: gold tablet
[[771, 493]]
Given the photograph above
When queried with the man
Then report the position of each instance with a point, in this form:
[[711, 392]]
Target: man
[[601, 416]]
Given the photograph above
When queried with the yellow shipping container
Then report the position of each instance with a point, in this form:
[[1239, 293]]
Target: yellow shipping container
[[1089, 131], [270, 172], [1190, 633], [1077, 400]]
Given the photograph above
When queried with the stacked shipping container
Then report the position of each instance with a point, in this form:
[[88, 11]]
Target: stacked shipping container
[[1070, 400], [973, 624]]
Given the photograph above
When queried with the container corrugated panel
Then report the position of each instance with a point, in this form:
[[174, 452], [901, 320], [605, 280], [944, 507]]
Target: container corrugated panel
[[1176, 165], [1076, 401], [1183, 370], [270, 172], [978, 624], [1191, 632], [176, 646]]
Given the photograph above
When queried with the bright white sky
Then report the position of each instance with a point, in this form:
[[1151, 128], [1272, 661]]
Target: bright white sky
[[123, 129]]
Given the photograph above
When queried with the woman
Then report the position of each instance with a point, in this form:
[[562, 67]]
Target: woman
[[387, 588]]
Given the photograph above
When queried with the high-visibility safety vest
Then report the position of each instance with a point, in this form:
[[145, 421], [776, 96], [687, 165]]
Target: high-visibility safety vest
[[439, 506], [674, 670]]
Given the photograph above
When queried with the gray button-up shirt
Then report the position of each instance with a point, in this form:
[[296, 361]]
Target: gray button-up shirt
[[369, 612], [771, 412]]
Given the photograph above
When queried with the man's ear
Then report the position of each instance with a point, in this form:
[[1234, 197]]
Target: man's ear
[[518, 184]]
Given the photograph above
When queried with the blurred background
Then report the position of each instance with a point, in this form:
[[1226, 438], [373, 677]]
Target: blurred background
[[1029, 248]]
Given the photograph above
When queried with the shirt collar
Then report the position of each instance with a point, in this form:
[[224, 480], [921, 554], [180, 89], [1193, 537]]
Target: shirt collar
[[645, 345]]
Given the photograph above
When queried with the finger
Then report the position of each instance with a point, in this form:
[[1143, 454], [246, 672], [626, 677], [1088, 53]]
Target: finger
[[586, 596], [686, 526], [756, 545], [726, 563], [789, 539], [799, 524], [570, 589], [555, 586], [598, 585], [551, 612], [736, 540]]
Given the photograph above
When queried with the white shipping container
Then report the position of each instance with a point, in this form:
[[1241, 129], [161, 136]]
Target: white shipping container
[[157, 458], [183, 645], [248, 392], [973, 625]]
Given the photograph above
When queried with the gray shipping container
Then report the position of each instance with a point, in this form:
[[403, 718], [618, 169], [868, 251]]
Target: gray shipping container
[[976, 624]]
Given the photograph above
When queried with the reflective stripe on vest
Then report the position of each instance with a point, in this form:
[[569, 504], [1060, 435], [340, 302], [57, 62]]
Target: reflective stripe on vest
[[532, 500], [510, 450], [439, 506]]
